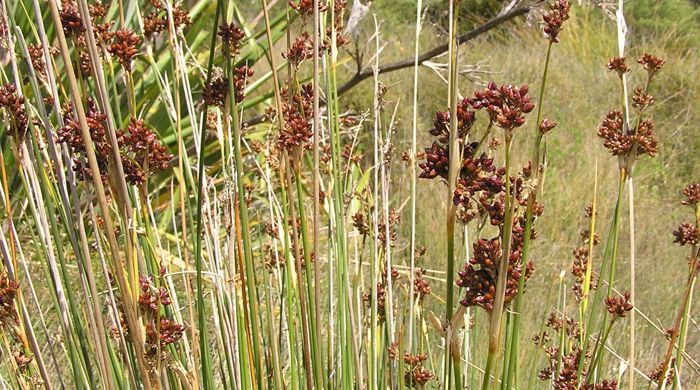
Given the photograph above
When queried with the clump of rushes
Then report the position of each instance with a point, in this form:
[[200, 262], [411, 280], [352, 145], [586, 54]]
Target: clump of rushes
[[627, 140], [484, 191], [13, 105], [686, 235]]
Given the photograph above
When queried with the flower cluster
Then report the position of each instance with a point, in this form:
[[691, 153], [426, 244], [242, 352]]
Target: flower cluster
[[381, 300], [215, 91], [480, 187], [652, 64], [619, 65], [160, 330], [687, 234], [415, 374], [692, 194], [339, 7], [141, 152], [567, 376], [70, 18], [421, 287], [618, 136], [359, 221], [231, 37], [619, 306], [8, 292], [13, 103], [300, 51], [623, 143], [580, 263], [480, 275], [506, 104], [305, 8], [158, 20], [382, 228], [124, 46], [554, 19], [36, 53], [146, 155], [71, 134], [297, 110]]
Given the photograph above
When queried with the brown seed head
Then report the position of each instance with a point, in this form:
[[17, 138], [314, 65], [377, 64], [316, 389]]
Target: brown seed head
[[554, 19]]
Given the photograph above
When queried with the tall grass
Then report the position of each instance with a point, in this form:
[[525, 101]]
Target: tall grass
[[190, 201]]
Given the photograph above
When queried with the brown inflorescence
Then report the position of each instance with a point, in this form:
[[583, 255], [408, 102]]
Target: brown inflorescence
[[297, 110], [13, 103], [70, 18], [546, 126], [506, 104], [305, 8], [8, 292], [71, 134], [641, 99], [215, 91], [652, 64], [623, 143], [619, 306], [125, 47], [554, 19], [160, 330], [692, 194], [141, 152], [421, 287], [417, 377], [141, 145], [36, 53], [339, 7], [231, 37], [480, 274], [687, 234], [619, 65], [300, 51], [157, 21]]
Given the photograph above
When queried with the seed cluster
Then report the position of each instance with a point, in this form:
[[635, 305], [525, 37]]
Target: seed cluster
[[8, 292], [231, 38], [124, 46], [554, 19], [619, 306], [160, 330], [141, 152], [480, 275], [13, 103], [297, 110], [621, 138], [158, 20]]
